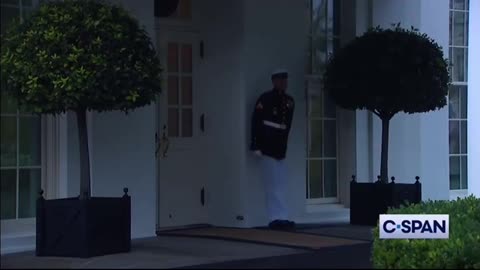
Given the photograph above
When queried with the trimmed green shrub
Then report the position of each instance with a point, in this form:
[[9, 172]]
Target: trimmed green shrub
[[79, 56], [460, 251], [388, 71]]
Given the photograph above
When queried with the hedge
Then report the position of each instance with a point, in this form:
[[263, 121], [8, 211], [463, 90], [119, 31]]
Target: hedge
[[460, 251]]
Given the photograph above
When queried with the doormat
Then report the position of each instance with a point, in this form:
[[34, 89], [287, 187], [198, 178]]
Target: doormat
[[269, 237]]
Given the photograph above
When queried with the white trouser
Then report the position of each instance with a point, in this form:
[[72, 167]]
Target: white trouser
[[275, 177]]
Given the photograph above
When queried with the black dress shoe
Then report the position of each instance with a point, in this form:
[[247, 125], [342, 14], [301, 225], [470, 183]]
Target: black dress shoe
[[282, 225], [287, 225], [291, 225], [276, 224]]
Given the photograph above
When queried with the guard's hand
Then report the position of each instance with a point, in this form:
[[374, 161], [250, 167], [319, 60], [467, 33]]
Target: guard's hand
[[258, 153]]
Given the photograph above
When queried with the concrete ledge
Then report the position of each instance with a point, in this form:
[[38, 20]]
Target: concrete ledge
[[17, 243]]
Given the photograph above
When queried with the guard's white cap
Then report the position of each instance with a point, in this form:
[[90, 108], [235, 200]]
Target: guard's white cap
[[279, 71]]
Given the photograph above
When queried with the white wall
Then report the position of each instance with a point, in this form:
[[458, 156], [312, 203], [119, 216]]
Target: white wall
[[222, 85], [73, 160], [474, 100], [363, 118], [434, 141], [275, 35], [123, 149], [346, 119]]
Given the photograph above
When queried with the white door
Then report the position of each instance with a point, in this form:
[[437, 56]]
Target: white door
[[181, 194]]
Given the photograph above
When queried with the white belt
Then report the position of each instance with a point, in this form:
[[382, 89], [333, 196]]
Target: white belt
[[275, 125]]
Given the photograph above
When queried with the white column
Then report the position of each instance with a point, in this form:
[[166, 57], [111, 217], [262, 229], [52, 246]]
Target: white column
[[90, 133], [473, 123], [63, 156], [434, 143]]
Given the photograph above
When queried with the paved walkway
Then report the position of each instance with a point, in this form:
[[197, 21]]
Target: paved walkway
[[179, 252], [354, 257]]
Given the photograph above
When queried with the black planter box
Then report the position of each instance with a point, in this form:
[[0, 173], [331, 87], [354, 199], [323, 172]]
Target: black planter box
[[369, 200], [74, 227]]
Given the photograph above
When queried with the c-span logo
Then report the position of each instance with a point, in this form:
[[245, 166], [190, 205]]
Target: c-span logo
[[414, 226]]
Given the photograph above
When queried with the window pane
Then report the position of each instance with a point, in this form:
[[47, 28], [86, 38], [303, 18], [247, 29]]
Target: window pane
[[454, 140], [330, 17], [29, 186], [27, 12], [308, 60], [454, 102], [467, 15], [330, 107], [173, 119], [463, 101], [186, 58], [30, 141], [451, 68], [172, 57], [184, 10], [450, 27], [316, 140], [8, 187], [308, 5], [319, 17], [455, 172], [187, 91], [319, 54], [458, 64], [459, 4], [330, 142], [8, 14], [464, 175], [463, 134], [330, 167], [466, 64], [11, 2], [459, 29], [8, 141], [330, 46], [187, 123], [173, 90], [8, 104], [307, 190], [316, 105], [316, 188]]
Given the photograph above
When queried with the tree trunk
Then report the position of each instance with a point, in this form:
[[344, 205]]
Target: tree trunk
[[84, 155], [384, 160]]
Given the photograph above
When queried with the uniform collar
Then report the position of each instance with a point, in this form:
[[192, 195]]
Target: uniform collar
[[278, 92]]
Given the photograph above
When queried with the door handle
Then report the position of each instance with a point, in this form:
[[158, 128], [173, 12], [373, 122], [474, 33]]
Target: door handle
[[157, 145], [162, 144], [202, 122], [165, 143]]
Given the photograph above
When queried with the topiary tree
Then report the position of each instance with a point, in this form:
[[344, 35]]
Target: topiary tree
[[80, 55], [388, 71]]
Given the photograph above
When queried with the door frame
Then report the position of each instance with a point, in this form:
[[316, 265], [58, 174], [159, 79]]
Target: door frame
[[165, 28]]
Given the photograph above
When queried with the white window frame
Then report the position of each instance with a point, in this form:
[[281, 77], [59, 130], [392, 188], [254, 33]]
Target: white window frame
[[180, 75], [314, 89], [455, 193]]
